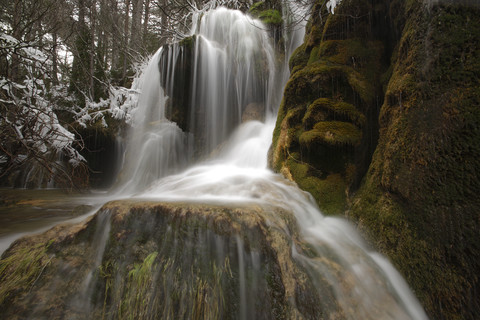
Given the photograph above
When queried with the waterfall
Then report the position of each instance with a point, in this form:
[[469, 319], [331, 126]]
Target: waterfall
[[156, 146], [233, 66], [190, 144]]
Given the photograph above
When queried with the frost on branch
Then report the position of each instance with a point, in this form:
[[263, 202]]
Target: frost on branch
[[332, 4], [34, 142], [120, 104]]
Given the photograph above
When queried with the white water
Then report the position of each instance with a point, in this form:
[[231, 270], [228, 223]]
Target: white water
[[225, 80], [157, 146]]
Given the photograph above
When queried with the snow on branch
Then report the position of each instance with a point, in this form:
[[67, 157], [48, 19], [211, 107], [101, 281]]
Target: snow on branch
[[120, 104], [332, 4], [31, 130]]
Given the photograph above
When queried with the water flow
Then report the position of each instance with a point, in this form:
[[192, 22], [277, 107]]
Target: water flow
[[157, 146], [225, 80], [233, 66]]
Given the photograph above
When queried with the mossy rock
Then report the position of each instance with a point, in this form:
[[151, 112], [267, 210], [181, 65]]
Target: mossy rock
[[324, 108], [267, 13], [331, 133], [417, 200], [334, 90], [298, 59], [135, 259], [327, 189]]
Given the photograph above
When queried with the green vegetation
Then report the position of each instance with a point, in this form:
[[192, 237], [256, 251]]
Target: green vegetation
[[416, 202], [137, 298], [331, 132], [21, 269], [328, 192], [271, 16], [333, 110], [266, 13], [329, 105]]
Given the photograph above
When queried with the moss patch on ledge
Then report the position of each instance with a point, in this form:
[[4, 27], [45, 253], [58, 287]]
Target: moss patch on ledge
[[324, 108], [332, 133], [136, 259]]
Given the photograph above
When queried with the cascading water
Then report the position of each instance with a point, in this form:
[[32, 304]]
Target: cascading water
[[157, 145], [224, 238], [232, 68], [231, 54]]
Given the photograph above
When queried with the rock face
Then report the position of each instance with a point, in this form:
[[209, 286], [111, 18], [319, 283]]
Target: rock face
[[420, 196], [140, 260], [326, 128], [419, 61]]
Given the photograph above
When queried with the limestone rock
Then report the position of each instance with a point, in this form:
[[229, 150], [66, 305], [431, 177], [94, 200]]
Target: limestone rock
[[137, 259]]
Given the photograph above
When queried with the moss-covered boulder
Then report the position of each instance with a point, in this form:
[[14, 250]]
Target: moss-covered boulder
[[137, 259], [419, 200], [326, 128]]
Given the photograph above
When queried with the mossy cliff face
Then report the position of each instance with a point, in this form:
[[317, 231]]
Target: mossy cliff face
[[139, 260], [419, 200], [326, 128], [418, 203]]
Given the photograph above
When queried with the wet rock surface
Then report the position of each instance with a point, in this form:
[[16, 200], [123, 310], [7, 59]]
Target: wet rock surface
[[138, 259]]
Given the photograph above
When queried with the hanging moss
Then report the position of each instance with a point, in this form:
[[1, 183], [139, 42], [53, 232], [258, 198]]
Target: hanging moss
[[188, 42]]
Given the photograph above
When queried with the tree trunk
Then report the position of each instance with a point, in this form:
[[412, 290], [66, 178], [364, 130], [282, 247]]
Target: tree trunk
[[17, 16], [164, 21], [135, 35], [145, 19], [92, 48], [125, 41], [115, 34], [54, 60]]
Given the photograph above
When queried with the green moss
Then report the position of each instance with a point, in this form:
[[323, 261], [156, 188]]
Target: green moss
[[21, 269], [271, 16], [188, 42], [331, 133], [328, 192], [322, 108], [299, 59], [324, 80], [268, 15], [361, 86], [314, 55]]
